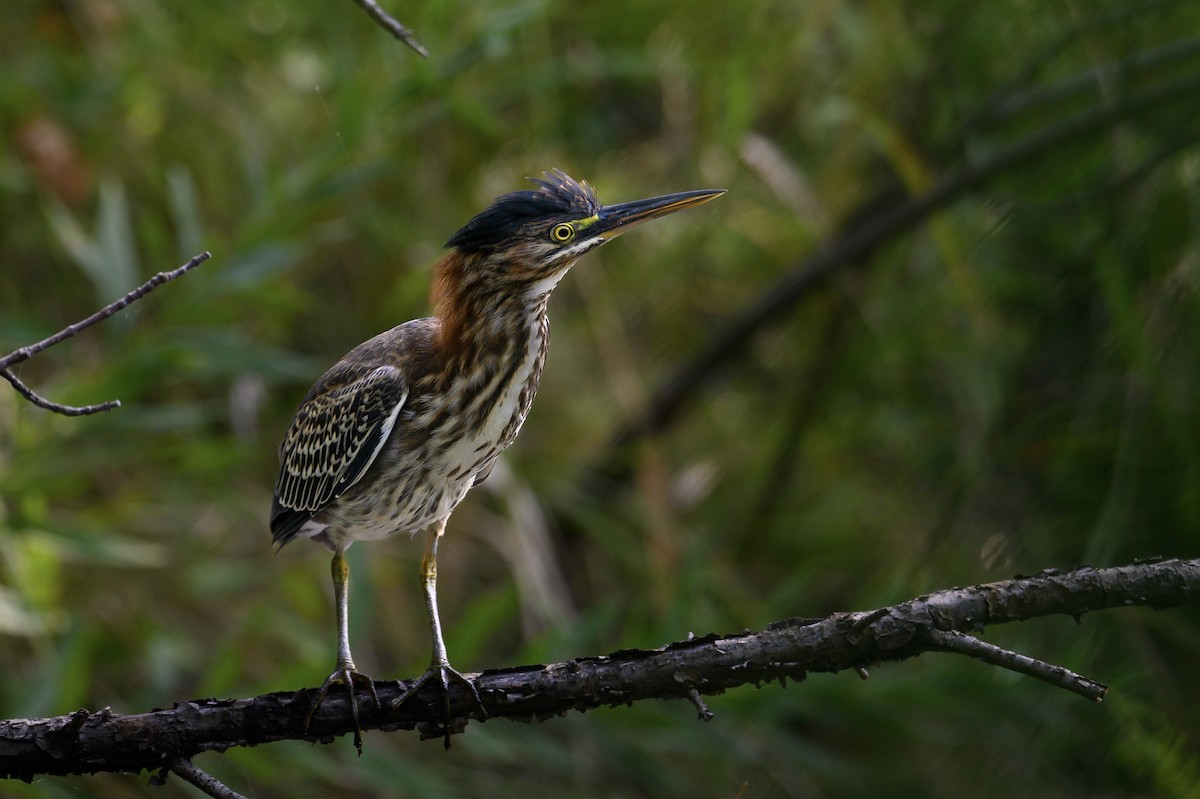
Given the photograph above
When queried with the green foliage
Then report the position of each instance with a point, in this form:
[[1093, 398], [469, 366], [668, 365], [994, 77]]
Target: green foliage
[[1011, 386]]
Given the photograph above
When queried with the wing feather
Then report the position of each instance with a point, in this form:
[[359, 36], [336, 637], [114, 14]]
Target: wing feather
[[332, 442]]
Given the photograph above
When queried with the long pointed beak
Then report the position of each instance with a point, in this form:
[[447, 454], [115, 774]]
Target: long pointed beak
[[616, 219]]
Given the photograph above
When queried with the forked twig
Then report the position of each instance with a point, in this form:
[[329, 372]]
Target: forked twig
[[25, 353]]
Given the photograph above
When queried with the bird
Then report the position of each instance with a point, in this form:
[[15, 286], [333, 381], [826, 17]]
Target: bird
[[392, 437]]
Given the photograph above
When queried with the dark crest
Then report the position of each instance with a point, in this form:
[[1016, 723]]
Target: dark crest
[[557, 193]]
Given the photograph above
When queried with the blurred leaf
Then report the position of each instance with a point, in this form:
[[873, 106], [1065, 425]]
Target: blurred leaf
[[18, 620], [99, 547], [108, 259], [185, 211], [253, 267]]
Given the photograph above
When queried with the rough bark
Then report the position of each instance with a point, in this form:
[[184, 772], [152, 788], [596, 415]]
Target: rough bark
[[86, 741]]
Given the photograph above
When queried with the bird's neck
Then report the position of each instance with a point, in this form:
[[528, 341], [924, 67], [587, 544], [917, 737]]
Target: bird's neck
[[480, 315]]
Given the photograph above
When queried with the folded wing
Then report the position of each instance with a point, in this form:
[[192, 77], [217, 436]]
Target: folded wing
[[333, 439]]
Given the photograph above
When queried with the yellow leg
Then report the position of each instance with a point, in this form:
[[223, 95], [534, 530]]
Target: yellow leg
[[429, 584], [439, 664], [339, 570], [345, 672]]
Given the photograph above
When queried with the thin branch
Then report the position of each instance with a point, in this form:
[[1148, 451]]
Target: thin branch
[[86, 742], [963, 644], [66, 410], [201, 779], [391, 25], [25, 353]]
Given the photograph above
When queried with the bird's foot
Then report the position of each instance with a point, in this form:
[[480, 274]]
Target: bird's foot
[[347, 676], [444, 675]]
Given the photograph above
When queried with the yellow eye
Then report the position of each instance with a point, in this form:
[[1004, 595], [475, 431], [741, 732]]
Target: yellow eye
[[562, 233]]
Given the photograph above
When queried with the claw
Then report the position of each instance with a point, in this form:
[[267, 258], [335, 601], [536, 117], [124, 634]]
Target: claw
[[349, 678], [445, 674]]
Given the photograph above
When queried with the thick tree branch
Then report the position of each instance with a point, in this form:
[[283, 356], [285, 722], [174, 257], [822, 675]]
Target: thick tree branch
[[86, 742], [25, 353]]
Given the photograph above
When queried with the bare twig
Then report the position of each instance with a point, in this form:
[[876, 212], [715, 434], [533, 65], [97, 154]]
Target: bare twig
[[391, 25], [201, 779], [963, 644], [85, 742], [66, 410], [25, 353]]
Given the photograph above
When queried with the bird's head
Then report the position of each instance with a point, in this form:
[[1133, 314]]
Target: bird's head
[[531, 238]]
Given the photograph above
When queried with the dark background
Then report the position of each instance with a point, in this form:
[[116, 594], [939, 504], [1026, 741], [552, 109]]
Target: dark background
[[1006, 384]]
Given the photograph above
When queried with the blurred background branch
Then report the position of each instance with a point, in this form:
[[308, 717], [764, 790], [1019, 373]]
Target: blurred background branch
[[871, 228]]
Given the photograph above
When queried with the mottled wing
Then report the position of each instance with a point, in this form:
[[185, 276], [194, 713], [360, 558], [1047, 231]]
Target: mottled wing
[[333, 440]]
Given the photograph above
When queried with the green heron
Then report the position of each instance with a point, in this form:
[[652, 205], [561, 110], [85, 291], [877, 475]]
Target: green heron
[[396, 433]]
